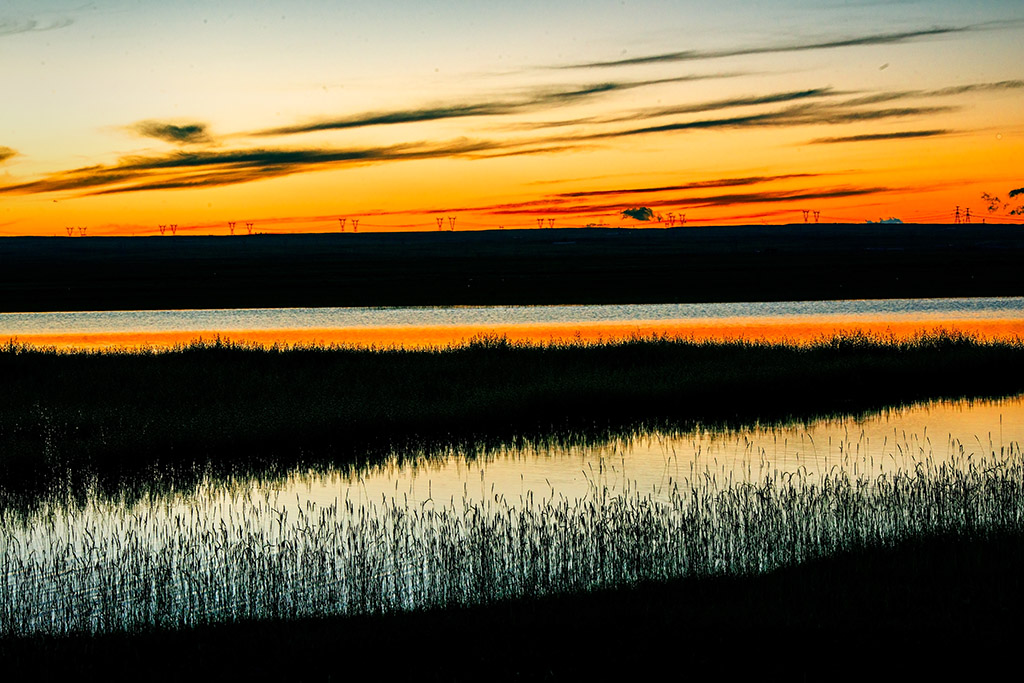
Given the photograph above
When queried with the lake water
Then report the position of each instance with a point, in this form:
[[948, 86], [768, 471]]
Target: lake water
[[801, 320], [499, 521], [430, 532]]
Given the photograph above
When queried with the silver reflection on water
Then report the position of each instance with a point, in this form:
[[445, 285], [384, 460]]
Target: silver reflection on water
[[228, 320]]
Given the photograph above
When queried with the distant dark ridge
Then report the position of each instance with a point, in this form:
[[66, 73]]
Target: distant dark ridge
[[559, 266]]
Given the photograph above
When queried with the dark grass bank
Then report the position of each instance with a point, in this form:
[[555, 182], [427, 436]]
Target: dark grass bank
[[217, 408], [565, 266], [937, 606]]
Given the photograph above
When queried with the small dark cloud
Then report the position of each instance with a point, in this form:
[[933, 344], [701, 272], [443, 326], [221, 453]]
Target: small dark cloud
[[7, 153], [1016, 193], [183, 134], [10, 27], [993, 204], [694, 55], [640, 213], [875, 137]]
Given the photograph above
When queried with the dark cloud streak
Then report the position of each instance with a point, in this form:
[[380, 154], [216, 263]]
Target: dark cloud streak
[[10, 27], [538, 99], [7, 153], [215, 168], [794, 116], [696, 55], [703, 185], [877, 137]]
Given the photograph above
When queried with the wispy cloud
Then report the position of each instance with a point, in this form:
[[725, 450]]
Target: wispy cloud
[[214, 168], [695, 55], [702, 185], [679, 197], [705, 201], [876, 137], [7, 153], [186, 133], [533, 100], [804, 115], [10, 27]]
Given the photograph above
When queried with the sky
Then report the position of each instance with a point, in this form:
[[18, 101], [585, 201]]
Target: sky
[[124, 116]]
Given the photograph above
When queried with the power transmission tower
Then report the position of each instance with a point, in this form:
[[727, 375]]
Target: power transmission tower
[[967, 218], [355, 225], [682, 220], [806, 215], [540, 222], [163, 229], [70, 229], [817, 215], [671, 219], [451, 223], [248, 228], [551, 222], [174, 228], [956, 218], [341, 222], [440, 223], [81, 231], [231, 227]]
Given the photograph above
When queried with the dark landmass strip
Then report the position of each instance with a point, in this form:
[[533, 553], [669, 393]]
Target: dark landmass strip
[[560, 266], [940, 606]]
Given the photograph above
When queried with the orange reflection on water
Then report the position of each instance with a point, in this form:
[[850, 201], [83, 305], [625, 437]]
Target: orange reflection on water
[[794, 331]]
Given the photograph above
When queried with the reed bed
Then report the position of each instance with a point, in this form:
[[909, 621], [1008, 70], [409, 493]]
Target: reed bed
[[174, 562], [215, 406]]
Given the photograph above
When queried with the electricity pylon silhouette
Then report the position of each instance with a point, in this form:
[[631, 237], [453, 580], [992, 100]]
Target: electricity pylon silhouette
[[440, 223], [341, 222], [806, 215], [231, 227], [355, 225], [248, 227]]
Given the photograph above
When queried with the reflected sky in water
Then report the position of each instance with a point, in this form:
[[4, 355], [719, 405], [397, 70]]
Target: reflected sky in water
[[653, 463], [427, 326]]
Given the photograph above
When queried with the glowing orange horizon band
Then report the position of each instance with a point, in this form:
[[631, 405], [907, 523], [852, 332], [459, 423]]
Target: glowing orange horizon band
[[799, 331]]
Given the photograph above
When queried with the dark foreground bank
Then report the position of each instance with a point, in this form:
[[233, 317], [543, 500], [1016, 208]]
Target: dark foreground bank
[[215, 409], [948, 606], [580, 266]]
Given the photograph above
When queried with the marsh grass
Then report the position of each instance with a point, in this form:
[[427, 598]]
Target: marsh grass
[[104, 418], [108, 567]]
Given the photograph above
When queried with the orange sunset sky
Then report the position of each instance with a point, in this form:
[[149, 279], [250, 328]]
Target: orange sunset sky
[[120, 117]]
